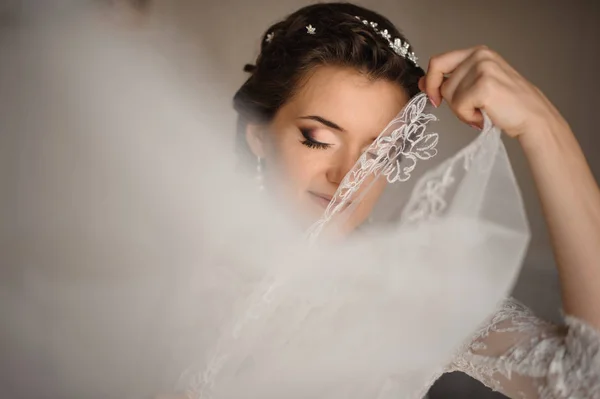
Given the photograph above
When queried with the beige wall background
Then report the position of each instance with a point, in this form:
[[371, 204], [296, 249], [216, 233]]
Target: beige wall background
[[555, 44]]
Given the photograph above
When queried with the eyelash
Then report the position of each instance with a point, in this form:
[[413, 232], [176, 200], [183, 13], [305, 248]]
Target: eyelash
[[312, 143]]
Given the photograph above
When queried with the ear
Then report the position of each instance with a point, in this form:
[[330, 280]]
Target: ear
[[256, 137]]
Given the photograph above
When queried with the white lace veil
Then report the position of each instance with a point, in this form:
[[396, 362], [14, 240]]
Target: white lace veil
[[134, 251], [345, 322]]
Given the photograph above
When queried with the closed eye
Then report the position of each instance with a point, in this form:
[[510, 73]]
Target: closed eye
[[310, 142]]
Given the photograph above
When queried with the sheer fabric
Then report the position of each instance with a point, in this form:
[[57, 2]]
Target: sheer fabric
[[522, 356], [142, 249], [454, 227]]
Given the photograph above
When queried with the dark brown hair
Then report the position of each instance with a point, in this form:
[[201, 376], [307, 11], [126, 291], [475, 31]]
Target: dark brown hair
[[340, 39]]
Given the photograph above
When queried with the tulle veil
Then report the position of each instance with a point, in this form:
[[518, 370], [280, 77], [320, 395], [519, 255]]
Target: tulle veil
[[136, 260]]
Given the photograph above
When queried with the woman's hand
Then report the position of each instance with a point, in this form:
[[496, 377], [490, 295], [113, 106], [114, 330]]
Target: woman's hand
[[479, 79]]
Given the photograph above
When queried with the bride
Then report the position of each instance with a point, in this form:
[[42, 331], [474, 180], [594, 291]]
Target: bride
[[113, 256], [330, 77]]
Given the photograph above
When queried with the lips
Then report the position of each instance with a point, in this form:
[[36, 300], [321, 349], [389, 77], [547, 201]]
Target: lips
[[321, 199]]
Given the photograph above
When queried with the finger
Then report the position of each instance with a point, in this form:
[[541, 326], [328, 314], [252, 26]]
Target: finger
[[476, 66], [486, 80], [469, 99], [439, 67], [462, 72]]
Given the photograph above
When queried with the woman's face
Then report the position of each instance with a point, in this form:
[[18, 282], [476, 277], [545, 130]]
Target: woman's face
[[317, 137]]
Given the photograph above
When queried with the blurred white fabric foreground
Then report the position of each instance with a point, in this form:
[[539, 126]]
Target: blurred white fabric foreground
[[131, 249]]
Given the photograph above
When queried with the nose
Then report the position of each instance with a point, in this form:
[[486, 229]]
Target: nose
[[341, 163]]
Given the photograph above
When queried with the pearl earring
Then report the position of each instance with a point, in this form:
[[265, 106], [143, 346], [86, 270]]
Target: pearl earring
[[259, 175]]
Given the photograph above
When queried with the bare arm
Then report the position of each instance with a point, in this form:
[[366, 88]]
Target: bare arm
[[479, 79], [515, 352], [571, 203]]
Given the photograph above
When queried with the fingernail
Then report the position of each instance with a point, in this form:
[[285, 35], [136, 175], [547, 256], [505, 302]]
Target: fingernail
[[433, 102], [475, 126]]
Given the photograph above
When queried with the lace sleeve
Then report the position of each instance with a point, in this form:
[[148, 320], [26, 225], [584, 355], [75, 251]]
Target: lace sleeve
[[522, 356]]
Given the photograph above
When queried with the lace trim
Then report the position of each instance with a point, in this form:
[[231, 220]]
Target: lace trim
[[430, 198], [393, 154], [543, 360]]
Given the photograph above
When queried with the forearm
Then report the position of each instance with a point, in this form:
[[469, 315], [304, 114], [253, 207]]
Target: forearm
[[571, 204]]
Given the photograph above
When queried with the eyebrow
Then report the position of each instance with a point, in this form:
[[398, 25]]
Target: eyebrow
[[324, 121]]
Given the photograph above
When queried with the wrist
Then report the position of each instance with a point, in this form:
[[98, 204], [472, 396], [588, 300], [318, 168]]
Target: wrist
[[547, 134]]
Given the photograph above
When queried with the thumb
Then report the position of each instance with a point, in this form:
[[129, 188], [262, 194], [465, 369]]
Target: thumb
[[422, 83]]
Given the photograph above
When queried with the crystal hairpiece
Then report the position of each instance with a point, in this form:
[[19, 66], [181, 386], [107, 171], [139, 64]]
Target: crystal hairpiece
[[399, 47], [311, 30]]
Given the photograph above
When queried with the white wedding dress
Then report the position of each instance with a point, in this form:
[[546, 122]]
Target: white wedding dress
[[131, 250], [522, 356]]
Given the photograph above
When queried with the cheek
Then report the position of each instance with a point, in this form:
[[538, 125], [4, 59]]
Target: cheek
[[374, 190], [367, 203], [296, 166]]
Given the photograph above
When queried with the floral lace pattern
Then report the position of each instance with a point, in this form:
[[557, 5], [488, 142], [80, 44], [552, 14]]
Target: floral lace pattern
[[394, 154], [522, 356], [430, 197]]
